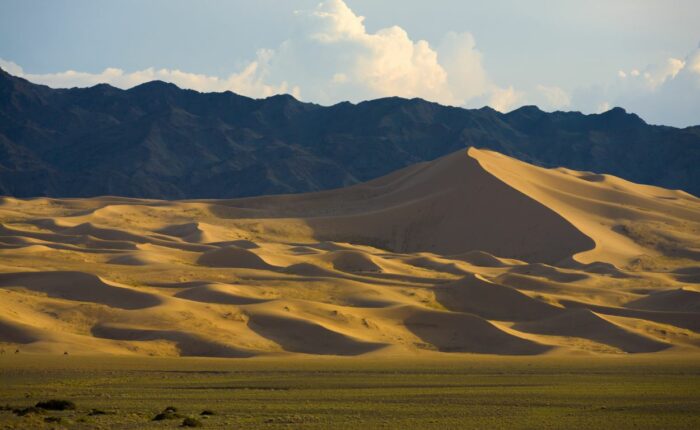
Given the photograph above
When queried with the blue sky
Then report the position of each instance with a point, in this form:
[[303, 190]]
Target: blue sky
[[589, 56]]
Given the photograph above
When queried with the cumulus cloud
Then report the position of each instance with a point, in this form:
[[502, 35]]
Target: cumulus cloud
[[505, 99], [550, 97], [462, 62], [333, 57]]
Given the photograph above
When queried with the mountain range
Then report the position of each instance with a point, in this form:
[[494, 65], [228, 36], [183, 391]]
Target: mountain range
[[159, 141]]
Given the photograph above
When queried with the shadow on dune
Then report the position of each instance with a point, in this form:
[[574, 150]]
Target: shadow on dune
[[459, 332], [79, 286], [587, 325], [296, 335], [188, 344], [474, 294]]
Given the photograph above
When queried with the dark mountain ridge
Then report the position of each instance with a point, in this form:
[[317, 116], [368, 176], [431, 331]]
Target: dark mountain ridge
[[156, 140]]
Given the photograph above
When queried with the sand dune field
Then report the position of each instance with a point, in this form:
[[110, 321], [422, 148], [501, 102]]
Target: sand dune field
[[472, 253]]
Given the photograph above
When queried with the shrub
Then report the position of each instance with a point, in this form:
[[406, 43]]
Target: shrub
[[53, 420], [207, 412], [56, 405], [165, 416], [169, 413]]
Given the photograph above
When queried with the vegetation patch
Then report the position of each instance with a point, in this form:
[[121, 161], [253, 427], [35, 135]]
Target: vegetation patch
[[56, 405], [623, 393]]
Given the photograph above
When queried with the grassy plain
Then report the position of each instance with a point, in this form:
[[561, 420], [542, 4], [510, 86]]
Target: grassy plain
[[617, 392]]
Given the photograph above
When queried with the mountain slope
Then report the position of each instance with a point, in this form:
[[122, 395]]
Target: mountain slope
[[402, 265], [158, 141]]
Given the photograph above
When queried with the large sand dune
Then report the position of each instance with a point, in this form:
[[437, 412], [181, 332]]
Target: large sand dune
[[471, 253]]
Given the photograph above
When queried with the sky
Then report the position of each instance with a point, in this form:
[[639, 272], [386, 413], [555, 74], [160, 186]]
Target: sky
[[642, 55]]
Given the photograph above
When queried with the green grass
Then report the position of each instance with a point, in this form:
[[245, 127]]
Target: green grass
[[469, 392]]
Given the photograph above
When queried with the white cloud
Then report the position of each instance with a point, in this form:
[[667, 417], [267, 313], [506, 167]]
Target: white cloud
[[550, 97], [249, 81], [461, 60], [654, 75], [506, 99], [11, 68], [333, 57], [664, 93], [603, 107]]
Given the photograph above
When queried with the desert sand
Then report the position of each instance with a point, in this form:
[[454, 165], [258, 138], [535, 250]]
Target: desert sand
[[472, 253]]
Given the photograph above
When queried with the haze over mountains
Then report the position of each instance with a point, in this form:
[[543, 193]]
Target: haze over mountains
[[158, 141], [474, 252]]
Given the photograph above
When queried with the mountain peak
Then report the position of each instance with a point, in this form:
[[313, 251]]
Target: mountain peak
[[620, 116], [156, 85], [617, 110], [281, 97], [526, 109]]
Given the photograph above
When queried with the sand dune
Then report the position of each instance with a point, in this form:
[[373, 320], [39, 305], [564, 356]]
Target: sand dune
[[688, 320], [79, 286], [438, 265], [188, 344], [458, 332], [352, 261], [474, 294], [16, 333], [141, 258], [309, 269], [690, 275], [588, 325], [619, 216], [549, 272], [471, 253], [221, 294], [232, 256], [679, 300], [298, 335], [481, 258]]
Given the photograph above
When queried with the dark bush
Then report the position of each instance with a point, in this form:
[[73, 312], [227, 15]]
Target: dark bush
[[97, 412], [207, 412], [165, 416], [169, 413], [56, 405], [53, 420]]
